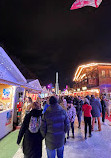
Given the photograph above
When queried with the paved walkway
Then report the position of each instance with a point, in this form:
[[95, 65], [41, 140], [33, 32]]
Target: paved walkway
[[98, 146]]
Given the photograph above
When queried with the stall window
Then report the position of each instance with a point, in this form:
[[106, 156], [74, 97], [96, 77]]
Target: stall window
[[103, 73], [109, 73]]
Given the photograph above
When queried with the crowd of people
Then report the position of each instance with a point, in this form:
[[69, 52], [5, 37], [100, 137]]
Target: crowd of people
[[52, 117]]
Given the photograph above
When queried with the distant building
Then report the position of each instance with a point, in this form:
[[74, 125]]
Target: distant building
[[93, 78]]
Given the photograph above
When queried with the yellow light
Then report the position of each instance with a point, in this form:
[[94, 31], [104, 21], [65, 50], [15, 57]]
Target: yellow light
[[95, 90], [91, 90], [78, 89], [83, 76], [84, 88], [80, 68]]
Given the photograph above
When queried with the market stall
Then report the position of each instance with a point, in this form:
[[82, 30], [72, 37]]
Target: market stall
[[10, 79], [95, 92], [33, 90], [44, 92]]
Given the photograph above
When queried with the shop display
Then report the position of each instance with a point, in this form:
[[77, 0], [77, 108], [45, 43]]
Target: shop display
[[5, 97], [19, 111]]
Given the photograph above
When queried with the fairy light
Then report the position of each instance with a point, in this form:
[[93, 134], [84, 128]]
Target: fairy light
[[80, 68], [8, 66]]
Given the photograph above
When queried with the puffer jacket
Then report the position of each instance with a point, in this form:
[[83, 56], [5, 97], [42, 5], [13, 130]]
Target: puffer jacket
[[55, 124], [96, 107]]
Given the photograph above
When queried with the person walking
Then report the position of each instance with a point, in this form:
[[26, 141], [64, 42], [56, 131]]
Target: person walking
[[103, 103], [86, 108], [46, 105], [79, 104], [63, 103], [26, 107], [55, 124], [30, 131], [96, 111], [108, 102], [71, 112]]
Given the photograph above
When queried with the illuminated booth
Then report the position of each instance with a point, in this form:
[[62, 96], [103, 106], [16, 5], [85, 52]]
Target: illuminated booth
[[33, 89], [10, 79], [93, 78], [44, 92]]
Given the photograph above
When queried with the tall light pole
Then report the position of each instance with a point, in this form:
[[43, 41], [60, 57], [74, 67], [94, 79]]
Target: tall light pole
[[57, 84]]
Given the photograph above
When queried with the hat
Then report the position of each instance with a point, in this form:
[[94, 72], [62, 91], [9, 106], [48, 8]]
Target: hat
[[92, 96], [52, 100]]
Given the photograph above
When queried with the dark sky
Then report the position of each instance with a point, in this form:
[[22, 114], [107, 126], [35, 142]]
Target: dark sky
[[47, 37]]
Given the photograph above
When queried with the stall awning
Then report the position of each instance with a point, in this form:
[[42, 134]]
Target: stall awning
[[10, 83], [27, 87]]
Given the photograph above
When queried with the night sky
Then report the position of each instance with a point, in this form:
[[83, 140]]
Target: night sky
[[47, 37]]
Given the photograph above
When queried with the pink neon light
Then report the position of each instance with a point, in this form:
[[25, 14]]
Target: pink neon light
[[82, 3]]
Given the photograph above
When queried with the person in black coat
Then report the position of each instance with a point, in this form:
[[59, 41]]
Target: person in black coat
[[79, 104], [32, 142], [103, 103]]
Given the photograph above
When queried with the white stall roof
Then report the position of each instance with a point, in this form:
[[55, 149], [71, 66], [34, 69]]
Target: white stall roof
[[9, 73], [35, 84], [44, 90]]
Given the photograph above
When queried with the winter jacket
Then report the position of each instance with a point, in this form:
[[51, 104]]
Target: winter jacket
[[55, 124], [103, 103], [79, 107], [45, 108], [87, 110], [96, 107], [71, 112], [32, 142]]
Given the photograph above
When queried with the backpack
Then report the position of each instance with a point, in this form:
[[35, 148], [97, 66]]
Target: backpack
[[34, 124]]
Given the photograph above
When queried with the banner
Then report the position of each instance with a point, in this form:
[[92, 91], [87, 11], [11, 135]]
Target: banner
[[82, 3]]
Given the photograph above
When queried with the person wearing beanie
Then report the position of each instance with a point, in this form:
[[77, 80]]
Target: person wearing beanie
[[86, 108], [55, 124]]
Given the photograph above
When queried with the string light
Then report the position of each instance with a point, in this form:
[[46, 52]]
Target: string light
[[92, 90], [8, 66], [80, 68]]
